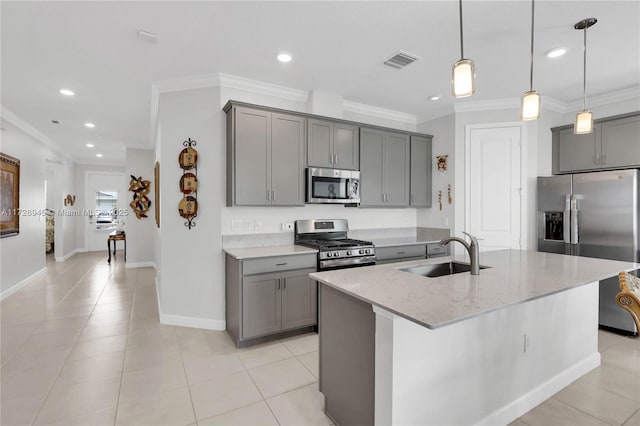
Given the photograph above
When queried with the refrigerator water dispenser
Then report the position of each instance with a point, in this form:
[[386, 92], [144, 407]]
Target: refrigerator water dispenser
[[553, 226]]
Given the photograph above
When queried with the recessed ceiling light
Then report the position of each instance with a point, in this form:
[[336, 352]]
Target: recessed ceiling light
[[67, 92], [55, 121], [556, 52], [99, 155], [284, 57], [434, 98], [89, 145], [89, 125]]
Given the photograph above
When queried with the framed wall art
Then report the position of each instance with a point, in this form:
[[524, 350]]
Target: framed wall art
[[156, 189], [10, 196]]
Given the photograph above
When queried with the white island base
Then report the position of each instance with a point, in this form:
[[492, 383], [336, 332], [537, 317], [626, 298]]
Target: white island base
[[489, 369]]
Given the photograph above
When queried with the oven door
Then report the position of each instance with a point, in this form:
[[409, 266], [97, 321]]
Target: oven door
[[332, 186]]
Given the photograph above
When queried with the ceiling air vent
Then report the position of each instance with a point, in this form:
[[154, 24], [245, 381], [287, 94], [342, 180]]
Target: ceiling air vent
[[401, 60]]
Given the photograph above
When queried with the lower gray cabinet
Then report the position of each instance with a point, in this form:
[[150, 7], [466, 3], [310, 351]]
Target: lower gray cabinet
[[278, 302], [270, 296]]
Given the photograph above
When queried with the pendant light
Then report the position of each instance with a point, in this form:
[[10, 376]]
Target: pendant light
[[584, 118], [463, 75], [530, 109]]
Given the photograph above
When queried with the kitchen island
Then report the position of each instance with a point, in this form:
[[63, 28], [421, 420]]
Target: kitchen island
[[401, 348]]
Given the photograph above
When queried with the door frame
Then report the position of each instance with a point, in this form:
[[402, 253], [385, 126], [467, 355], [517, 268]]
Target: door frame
[[468, 128], [87, 228]]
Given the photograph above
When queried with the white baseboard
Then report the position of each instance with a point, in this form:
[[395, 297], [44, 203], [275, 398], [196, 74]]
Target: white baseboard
[[68, 255], [129, 265], [522, 405], [193, 322], [8, 292]]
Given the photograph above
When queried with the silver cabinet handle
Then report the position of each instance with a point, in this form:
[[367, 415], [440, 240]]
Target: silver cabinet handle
[[281, 264], [273, 195], [575, 237], [284, 284], [401, 252], [566, 219], [278, 284], [330, 158], [268, 195], [335, 156]]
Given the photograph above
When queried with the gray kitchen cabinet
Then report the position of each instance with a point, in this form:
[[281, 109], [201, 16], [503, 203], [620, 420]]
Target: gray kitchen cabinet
[[384, 168], [614, 143], [265, 161], [401, 253], [420, 183], [332, 145], [269, 297]]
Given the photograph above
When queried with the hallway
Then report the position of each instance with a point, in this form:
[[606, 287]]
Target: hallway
[[82, 345]]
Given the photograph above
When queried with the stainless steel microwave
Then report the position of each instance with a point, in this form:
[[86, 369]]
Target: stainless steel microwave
[[333, 186]]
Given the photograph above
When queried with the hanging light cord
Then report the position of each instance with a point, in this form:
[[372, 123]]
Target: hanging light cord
[[461, 44], [584, 73], [532, 21]]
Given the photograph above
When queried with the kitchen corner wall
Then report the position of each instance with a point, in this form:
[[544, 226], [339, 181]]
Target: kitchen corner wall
[[22, 256], [140, 250]]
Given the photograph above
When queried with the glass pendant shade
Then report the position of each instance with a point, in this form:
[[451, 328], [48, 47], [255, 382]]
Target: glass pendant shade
[[584, 123], [464, 78], [530, 109]]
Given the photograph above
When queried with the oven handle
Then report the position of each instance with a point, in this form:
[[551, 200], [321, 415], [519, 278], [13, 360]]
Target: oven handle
[[332, 263]]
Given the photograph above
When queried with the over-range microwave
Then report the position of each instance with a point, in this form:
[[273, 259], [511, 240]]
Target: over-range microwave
[[333, 186]]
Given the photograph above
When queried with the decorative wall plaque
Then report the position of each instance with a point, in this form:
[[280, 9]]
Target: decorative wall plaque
[[188, 161], [141, 201]]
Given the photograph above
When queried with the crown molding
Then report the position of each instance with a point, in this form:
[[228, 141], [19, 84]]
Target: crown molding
[[235, 82], [552, 104], [16, 121], [469, 106], [379, 112], [187, 83], [622, 95]]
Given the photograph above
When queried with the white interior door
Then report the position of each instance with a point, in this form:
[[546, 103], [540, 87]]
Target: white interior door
[[102, 217], [493, 185]]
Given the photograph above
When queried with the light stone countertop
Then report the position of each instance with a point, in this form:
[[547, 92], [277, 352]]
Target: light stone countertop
[[514, 277], [269, 251]]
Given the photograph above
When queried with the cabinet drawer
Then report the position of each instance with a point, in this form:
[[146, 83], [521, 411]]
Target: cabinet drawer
[[399, 252], [435, 250], [278, 263]]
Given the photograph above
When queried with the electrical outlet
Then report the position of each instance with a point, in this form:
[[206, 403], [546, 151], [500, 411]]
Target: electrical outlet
[[286, 226]]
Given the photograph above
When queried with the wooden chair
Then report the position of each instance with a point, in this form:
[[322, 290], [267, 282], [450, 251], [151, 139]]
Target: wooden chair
[[629, 296]]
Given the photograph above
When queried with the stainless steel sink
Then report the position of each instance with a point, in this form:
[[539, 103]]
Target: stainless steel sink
[[440, 269]]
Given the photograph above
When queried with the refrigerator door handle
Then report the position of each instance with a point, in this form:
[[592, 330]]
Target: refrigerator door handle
[[566, 219], [575, 236]]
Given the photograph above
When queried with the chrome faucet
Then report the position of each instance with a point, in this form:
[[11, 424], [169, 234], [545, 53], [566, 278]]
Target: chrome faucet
[[472, 249]]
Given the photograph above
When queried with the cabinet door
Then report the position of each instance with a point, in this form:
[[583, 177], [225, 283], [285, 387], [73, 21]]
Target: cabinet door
[[346, 146], [420, 184], [299, 300], [252, 155], [287, 160], [319, 143], [261, 305], [396, 169], [621, 142], [577, 152], [371, 154]]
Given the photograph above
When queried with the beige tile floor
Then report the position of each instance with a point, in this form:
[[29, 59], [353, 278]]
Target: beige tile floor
[[81, 345]]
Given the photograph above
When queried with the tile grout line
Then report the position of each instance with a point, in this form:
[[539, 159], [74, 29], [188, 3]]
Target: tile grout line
[[576, 408], [76, 339], [186, 376]]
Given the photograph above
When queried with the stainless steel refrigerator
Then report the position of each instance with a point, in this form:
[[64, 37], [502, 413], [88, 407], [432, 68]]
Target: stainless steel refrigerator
[[595, 215]]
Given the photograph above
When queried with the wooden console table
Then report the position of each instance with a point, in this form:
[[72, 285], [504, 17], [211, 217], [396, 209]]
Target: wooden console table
[[116, 236]]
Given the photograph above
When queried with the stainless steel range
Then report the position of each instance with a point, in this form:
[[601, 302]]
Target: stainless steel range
[[335, 250]]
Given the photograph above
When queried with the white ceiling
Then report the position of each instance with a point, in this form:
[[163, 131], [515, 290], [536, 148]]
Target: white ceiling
[[338, 47]]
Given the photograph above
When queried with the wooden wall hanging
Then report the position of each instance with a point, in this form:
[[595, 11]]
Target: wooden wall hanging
[[69, 200], [156, 182], [442, 163], [141, 201], [10, 196], [188, 160]]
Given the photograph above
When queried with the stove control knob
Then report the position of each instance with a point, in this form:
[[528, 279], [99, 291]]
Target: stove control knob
[[348, 252], [329, 254], [361, 251], [336, 254], [367, 251]]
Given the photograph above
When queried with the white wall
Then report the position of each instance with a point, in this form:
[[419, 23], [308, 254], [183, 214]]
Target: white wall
[[191, 270], [23, 255], [443, 131], [140, 233]]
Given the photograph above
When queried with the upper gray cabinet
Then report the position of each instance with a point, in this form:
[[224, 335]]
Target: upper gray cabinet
[[265, 157], [332, 145], [420, 189], [614, 143], [384, 168]]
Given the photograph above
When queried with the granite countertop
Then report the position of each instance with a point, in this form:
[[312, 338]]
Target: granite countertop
[[269, 251], [514, 277], [400, 241]]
